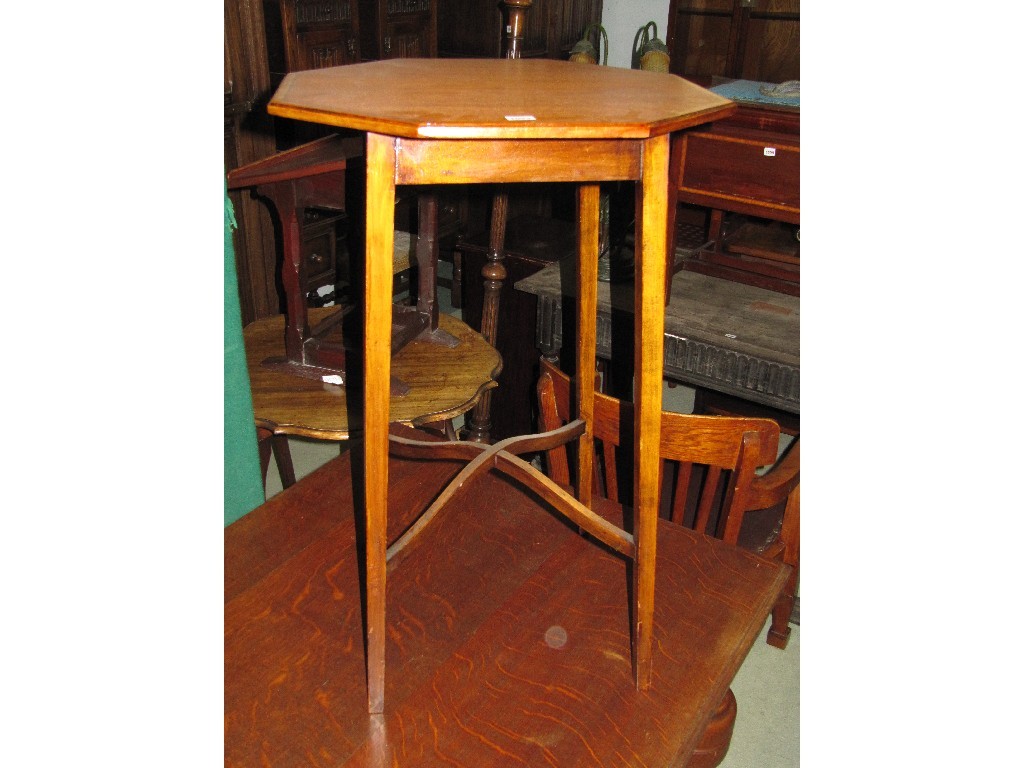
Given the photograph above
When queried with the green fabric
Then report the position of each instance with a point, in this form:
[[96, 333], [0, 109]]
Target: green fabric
[[243, 481]]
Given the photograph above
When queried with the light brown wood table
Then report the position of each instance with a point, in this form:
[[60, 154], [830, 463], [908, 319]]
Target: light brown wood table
[[455, 121], [443, 382]]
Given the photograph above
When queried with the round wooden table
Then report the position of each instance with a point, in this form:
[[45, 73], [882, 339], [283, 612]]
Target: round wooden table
[[443, 382]]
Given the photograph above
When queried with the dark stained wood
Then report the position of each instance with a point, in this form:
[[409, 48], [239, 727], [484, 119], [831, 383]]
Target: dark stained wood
[[309, 34], [312, 175], [749, 163], [249, 136], [532, 242], [734, 38], [724, 164], [474, 29], [719, 334], [398, 28], [508, 636]]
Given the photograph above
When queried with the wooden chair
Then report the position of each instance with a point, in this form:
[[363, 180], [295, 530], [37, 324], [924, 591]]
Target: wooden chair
[[708, 476]]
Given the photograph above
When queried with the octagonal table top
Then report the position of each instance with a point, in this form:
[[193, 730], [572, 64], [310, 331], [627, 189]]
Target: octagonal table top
[[496, 99]]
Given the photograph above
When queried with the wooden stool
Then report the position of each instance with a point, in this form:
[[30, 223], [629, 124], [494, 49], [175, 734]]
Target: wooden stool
[[313, 176]]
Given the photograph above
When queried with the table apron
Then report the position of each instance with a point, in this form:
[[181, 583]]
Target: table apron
[[468, 161]]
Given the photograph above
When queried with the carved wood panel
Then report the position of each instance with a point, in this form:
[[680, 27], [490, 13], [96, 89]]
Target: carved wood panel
[[249, 136], [749, 39], [470, 28]]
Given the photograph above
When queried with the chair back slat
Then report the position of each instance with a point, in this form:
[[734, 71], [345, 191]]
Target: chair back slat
[[683, 473], [708, 491], [713, 459], [707, 477], [611, 473], [552, 403]]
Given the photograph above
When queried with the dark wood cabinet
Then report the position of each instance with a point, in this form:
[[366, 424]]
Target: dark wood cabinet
[[323, 252], [742, 39], [313, 34], [471, 28], [249, 136], [746, 170], [310, 34], [393, 29]]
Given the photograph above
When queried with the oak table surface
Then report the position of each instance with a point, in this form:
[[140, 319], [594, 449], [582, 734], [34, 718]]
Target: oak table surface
[[508, 635], [444, 382], [455, 121]]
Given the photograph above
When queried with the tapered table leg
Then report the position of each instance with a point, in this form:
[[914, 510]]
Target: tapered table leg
[[649, 324], [586, 340], [380, 235]]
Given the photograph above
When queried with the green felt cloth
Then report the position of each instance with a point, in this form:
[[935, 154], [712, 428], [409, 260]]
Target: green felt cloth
[[243, 483]]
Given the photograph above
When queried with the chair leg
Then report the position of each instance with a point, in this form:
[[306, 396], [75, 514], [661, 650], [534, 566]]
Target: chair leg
[[779, 631], [457, 278], [263, 437], [283, 457], [778, 634]]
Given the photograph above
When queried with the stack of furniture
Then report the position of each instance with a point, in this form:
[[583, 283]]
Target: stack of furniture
[[300, 363]]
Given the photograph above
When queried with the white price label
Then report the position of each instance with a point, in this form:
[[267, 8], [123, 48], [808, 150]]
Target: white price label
[[769, 151]]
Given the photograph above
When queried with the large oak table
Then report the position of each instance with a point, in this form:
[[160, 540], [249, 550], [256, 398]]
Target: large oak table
[[446, 121], [507, 641]]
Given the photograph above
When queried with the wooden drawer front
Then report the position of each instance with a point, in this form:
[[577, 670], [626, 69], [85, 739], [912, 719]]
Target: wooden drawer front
[[732, 167], [318, 253], [407, 38], [317, 49], [320, 33], [313, 13]]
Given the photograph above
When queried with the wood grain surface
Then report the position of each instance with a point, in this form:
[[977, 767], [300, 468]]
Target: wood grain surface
[[444, 382], [496, 98], [508, 634]]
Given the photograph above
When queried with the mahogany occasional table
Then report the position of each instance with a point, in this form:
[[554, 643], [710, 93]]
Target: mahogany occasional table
[[287, 404], [464, 121]]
